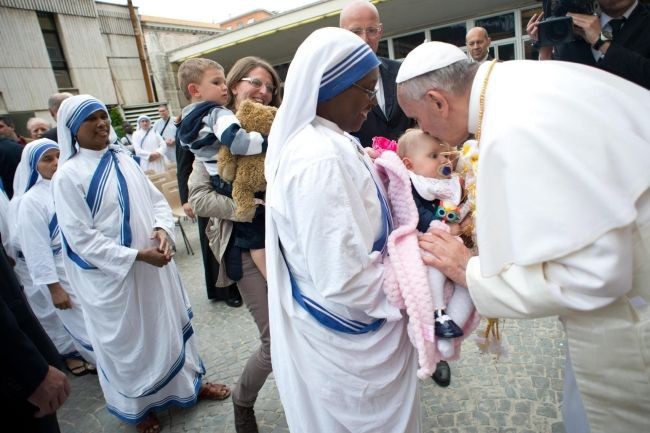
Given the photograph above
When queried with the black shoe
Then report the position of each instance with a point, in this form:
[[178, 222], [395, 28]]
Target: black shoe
[[234, 298], [234, 302], [244, 419], [444, 327], [442, 375]]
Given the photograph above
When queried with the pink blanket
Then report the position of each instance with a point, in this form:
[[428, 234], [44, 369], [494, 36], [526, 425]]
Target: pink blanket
[[406, 285]]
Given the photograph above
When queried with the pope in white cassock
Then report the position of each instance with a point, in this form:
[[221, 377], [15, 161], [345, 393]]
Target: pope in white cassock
[[562, 212], [117, 232], [341, 355]]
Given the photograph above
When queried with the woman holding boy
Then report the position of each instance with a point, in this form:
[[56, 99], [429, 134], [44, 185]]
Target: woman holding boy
[[249, 78]]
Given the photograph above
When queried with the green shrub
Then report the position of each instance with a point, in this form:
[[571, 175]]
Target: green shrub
[[117, 120]]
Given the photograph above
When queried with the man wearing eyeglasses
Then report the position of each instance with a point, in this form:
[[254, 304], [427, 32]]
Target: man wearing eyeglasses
[[385, 119]]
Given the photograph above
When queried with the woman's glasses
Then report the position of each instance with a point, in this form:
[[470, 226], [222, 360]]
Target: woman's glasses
[[257, 83]]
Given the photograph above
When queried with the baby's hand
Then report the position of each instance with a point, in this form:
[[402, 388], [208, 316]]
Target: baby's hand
[[372, 153]]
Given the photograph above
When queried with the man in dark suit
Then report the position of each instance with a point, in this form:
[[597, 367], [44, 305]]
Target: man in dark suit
[[32, 386], [618, 40], [386, 118], [478, 44]]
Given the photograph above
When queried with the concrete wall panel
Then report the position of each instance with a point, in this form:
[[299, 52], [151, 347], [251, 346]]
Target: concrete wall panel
[[26, 78], [69, 7]]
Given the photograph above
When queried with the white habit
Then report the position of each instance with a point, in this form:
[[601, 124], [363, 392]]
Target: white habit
[[323, 207], [563, 223], [138, 315], [44, 259], [144, 144], [26, 180]]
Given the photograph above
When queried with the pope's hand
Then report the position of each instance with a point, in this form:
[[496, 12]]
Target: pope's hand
[[447, 254]]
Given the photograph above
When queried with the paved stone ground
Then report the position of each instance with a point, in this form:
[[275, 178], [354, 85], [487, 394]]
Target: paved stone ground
[[520, 394]]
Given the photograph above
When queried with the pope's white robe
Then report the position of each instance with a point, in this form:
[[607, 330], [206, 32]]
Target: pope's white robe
[[137, 315], [563, 226], [327, 213], [145, 144], [44, 259]]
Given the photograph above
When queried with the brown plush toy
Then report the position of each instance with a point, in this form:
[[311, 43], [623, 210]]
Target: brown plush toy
[[246, 173]]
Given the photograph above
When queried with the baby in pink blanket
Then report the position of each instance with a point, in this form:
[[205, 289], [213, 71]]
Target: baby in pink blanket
[[409, 283], [437, 194]]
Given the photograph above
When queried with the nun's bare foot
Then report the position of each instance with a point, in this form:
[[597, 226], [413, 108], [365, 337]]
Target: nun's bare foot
[[149, 425]]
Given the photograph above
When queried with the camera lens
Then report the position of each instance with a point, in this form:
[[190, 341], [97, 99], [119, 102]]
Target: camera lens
[[556, 30]]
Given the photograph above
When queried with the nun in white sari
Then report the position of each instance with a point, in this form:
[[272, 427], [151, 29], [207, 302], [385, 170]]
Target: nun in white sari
[[35, 244], [137, 312], [149, 146], [40, 243], [341, 355]]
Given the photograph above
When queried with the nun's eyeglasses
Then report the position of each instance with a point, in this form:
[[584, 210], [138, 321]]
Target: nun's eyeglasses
[[371, 93], [257, 83]]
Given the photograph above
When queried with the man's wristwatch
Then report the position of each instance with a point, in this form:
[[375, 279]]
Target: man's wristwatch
[[602, 38]]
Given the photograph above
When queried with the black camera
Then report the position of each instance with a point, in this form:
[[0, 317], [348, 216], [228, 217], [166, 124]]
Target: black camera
[[556, 28]]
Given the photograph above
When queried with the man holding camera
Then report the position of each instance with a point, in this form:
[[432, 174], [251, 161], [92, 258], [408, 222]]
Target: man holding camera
[[617, 40]]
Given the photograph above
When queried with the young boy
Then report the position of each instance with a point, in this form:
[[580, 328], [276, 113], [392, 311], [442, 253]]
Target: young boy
[[206, 125]]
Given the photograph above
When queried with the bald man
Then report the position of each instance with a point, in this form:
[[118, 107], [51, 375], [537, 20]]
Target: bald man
[[478, 43], [37, 127], [386, 118], [53, 104]]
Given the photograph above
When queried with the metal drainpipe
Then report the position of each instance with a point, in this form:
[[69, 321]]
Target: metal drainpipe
[[139, 41]]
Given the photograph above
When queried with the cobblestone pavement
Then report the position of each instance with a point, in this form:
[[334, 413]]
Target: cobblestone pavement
[[520, 394]]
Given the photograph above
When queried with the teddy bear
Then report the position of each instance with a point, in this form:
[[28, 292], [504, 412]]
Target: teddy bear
[[246, 173]]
